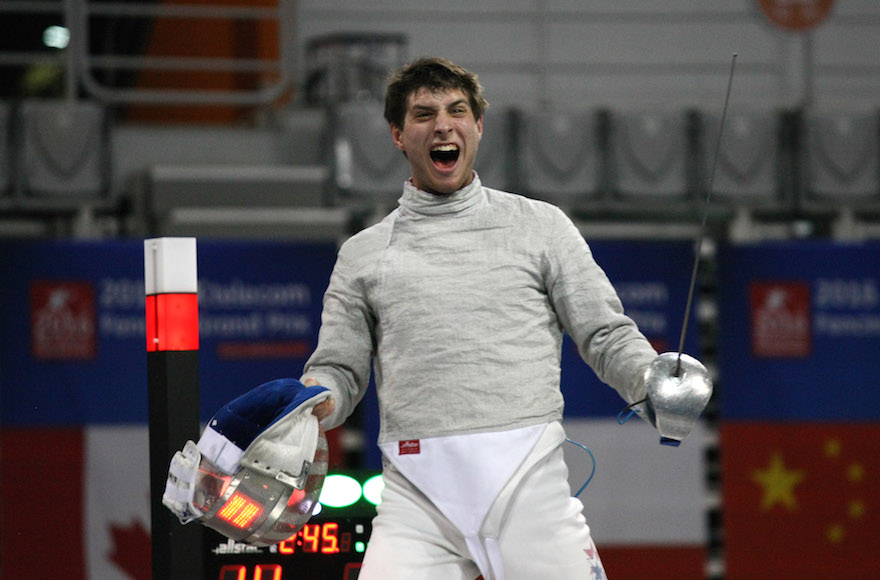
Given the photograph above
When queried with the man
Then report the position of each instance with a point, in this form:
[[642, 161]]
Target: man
[[458, 301]]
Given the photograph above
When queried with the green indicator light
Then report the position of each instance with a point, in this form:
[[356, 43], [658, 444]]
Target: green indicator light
[[373, 489], [340, 491], [360, 547]]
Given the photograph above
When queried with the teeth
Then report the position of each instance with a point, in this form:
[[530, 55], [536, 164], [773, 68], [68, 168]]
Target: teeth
[[450, 147]]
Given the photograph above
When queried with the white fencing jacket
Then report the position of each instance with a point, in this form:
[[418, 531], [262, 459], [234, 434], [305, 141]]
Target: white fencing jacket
[[459, 303]]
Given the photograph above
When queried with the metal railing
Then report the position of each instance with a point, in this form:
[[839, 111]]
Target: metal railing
[[80, 63]]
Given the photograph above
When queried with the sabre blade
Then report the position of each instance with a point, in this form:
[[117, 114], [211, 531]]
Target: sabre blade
[[702, 232]]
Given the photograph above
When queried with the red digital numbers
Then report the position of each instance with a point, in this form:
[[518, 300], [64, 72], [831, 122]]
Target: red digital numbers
[[330, 545], [261, 572], [273, 572], [288, 546], [233, 573], [317, 538], [311, 537]]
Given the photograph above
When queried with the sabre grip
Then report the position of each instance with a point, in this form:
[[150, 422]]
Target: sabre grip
[[678, 388]]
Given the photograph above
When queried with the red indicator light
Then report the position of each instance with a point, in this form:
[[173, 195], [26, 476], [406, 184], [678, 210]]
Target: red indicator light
[[172, 322], [296, 497], [240, 511]]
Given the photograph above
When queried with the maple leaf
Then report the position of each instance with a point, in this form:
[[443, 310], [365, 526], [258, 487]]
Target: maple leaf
[[132, 550]]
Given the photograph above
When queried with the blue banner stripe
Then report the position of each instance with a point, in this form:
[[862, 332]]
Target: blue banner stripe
[[800, 331], [73, 327]]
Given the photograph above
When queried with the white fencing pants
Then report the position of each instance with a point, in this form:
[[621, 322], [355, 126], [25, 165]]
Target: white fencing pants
[[535, 530]]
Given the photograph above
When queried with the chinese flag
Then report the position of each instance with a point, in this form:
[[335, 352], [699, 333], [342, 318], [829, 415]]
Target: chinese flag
[[801, 499]]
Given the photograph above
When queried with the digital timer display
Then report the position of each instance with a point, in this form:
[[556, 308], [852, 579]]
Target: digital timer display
[[324, 538], [324, 549]]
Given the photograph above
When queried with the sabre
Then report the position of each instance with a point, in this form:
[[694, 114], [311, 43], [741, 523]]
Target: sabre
[[702, 232], [678, 387]]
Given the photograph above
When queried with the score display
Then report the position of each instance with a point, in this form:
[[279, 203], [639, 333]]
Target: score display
[[330, 546]]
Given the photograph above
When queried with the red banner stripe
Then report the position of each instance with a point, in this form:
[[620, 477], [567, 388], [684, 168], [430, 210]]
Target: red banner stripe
[[41, 503], [636, 562], [172, 322]]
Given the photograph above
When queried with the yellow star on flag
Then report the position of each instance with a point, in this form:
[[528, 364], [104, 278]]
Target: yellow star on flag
[[832, 448], [778, 484]]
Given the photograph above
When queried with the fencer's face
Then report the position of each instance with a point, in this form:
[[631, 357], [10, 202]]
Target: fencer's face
[[440, 137]]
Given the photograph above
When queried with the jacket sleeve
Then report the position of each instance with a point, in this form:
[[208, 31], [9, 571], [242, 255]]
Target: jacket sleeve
[[591, 312], [342, 360]]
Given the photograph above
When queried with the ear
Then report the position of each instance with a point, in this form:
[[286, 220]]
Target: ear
[[397, 136], [480, 127]]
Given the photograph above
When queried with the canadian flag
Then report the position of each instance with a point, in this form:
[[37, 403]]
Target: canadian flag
[[80, 511]]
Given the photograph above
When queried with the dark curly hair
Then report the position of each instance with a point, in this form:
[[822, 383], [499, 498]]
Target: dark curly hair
[[434, 73]]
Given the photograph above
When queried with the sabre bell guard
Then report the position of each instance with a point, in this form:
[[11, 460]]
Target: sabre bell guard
[[675, 402], [258, 468]]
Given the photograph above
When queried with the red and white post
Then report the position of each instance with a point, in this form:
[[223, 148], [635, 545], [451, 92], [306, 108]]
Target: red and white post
[[172, 317]]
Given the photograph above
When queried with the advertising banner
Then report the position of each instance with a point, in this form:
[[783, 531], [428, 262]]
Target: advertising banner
[[800, 438], [75, 487], [72, 348]]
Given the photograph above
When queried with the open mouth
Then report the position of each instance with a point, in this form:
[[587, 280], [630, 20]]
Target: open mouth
[[445, 156]]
